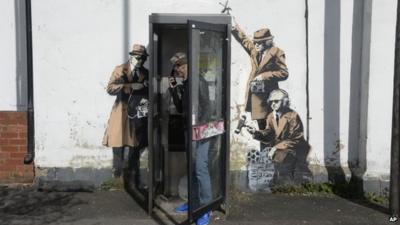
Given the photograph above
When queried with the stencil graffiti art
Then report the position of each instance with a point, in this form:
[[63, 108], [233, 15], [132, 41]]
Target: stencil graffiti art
[[260, 170], [287, 149], [282, 158], [268, 64]]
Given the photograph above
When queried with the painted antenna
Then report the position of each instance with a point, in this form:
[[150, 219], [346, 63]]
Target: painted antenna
[[226, 8]]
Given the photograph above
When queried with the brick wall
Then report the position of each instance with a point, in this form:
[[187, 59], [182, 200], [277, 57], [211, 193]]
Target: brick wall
[[13, 146]]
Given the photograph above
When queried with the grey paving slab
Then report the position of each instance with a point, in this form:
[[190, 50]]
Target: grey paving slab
[[28, 206]]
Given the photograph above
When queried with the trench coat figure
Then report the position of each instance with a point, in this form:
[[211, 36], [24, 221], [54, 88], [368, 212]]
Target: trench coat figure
[[120, 132], [287, 136], [271, 67]]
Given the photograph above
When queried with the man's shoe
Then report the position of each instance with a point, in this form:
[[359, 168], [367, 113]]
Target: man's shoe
[[182, 208], [204, 219]]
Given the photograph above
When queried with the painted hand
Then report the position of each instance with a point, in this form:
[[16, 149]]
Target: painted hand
[[258, 77], [271, 153], [251, 130]]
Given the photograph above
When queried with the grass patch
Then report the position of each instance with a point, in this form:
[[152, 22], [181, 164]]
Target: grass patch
[[305, 189], [377, 199], [112, 184], [346, 190]]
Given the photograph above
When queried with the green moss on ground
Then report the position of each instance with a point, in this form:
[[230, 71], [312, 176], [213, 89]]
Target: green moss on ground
[[112, 184], [345, 190]]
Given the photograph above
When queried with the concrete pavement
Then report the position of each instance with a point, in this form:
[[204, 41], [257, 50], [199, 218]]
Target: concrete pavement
[[28, 206]]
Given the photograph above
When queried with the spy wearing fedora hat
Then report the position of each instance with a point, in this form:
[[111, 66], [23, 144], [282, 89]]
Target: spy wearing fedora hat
[[128, 81], [268, 68]]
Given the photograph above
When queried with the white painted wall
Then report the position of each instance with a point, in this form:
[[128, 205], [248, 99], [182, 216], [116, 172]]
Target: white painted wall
[[381, 87], [316, 80], [76, 47], [378, 50], [330, 49], [346, 28]]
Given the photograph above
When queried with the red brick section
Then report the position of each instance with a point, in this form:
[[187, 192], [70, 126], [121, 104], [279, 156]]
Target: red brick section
[[13, 146]]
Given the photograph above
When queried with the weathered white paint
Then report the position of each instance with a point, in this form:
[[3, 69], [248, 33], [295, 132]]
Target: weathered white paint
[[76, 46], [316, 81], [74, 54], [381, 87], [8, 56]]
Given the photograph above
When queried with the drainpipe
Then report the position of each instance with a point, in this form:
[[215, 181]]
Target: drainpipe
[[30, 154], [394, 201], [307, 75]]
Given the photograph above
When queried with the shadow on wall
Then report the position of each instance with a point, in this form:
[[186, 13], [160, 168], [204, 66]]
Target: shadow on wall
[[21, 79], [332, 146], [361, 32], [126, 18], [361, 35]]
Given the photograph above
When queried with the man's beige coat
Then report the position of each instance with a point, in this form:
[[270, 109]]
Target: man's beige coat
[[272, 69], [120, 132], [287, 136]]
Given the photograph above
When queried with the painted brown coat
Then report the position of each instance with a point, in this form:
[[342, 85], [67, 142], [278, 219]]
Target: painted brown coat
[[287, 136], [272, 69], [120, 132]]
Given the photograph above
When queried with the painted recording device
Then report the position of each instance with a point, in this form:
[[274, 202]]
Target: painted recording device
[[241, 124]]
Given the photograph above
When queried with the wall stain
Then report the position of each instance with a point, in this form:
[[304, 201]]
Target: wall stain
[[238, 151], [75, 133], [98, 161], [338, 146], [237, 108]]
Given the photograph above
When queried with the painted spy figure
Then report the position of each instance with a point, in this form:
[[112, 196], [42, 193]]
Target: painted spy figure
[[268, 68], [284, 135], [128, 83]]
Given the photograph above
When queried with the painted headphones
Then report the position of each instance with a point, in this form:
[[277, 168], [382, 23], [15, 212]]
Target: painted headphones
[[285, 99]]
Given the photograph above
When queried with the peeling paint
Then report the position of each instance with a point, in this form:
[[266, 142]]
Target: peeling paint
[[238, 149], [338, 146], [237, 111], [40, 172], [89, 161]]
